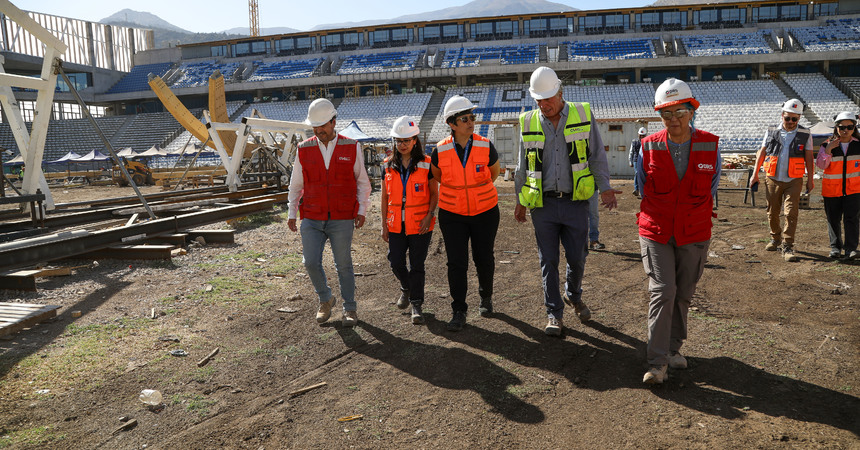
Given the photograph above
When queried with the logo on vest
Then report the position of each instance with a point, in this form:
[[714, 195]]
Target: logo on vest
[[706, 167], [344, 158]]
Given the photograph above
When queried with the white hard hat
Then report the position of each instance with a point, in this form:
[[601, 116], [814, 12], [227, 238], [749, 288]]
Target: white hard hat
[[404, 127], [643, 131], [456, 104], [320, 112], [793, 106], [544, 83], [845, 115], [673, 92]]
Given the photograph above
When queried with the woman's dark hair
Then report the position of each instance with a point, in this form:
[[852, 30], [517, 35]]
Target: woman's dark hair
[[415, 156], [855, 134]]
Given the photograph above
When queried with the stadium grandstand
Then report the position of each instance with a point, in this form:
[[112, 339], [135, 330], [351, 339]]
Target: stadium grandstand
[[743, 59]]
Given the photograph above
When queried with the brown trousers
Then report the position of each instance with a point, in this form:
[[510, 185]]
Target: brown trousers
[[783, 197]]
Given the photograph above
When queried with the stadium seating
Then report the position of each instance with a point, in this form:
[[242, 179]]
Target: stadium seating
[[138, 78], [374, 115], [836, 35], [606, 49], [284, 69], [197, 74], [472, 56], [748, 43], [379, 62], [853, 84], [820, 95]]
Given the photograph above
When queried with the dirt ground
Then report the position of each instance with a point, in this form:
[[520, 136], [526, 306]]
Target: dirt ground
[[774, 349]]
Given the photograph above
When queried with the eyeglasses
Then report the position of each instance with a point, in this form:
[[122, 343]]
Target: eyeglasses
[[790, 119], [845, 127], [402, 141], [677, 113], [467, 118]]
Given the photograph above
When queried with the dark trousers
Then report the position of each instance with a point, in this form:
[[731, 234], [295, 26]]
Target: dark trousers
[[565, 221], [412, 278], [457, 231], [839, 210]]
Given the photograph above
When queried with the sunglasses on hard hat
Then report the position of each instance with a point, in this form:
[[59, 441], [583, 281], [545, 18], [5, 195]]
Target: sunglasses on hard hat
[[790, 119], [677, 113], [466, 118], [845, 127]]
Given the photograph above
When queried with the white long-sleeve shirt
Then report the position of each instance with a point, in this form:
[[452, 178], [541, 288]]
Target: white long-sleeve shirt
[[297, 180]]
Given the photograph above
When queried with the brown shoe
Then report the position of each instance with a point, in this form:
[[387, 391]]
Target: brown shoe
[[553, 327], [788, 254], [325, 310], [772, 246], [350, 318], [655, 375]]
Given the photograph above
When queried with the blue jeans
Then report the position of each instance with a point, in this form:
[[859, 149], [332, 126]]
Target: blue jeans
[[593, 218], [565, 221], [339, 233]]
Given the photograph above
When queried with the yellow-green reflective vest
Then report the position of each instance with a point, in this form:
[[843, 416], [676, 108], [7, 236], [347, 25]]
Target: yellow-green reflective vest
[[576, 132]]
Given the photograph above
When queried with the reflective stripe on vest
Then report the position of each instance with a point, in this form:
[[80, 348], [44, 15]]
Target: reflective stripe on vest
[[577, 129], [842, 176], [466, 190]]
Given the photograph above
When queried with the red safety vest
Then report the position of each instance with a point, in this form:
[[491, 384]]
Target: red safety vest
[[670, 207], [329, 194], [414, 206], [796, 152], [842, 176], [469, 190]]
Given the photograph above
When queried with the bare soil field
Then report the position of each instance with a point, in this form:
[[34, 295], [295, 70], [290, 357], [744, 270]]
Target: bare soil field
[[774, 349]]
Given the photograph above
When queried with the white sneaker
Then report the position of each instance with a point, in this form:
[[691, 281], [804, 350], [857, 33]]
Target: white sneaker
[[677, 361], [655, 375], [350, 318], [325, 310]]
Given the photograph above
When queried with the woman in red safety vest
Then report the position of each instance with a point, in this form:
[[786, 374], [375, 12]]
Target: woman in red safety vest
[[678, 173], [466, 165], [839, 156], [409, 199]]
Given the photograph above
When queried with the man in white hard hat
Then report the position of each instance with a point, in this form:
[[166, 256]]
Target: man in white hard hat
[[635, 147], [330, 188], [561, 163], [786, 153]]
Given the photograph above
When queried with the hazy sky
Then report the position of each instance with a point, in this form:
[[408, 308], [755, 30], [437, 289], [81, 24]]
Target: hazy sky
[[219, 15]]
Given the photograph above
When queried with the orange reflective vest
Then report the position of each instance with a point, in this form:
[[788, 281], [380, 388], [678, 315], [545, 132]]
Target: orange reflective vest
[[842, 176], [468, 190], [329, 194], [408, 207], [796, 152]]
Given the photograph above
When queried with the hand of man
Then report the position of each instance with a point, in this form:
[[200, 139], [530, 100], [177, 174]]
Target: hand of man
[[385, 234], [359, 221], [753, 179], [292, 225], [607, 199], [810, 185], [520, 213]]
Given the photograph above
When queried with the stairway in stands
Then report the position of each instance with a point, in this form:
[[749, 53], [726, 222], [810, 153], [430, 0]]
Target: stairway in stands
[[429, 117], [791, 93]]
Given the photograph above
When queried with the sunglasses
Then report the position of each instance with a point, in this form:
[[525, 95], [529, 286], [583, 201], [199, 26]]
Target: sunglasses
[[467, 118], [845, 127], [790, 119], [677, 113], [402, 141]]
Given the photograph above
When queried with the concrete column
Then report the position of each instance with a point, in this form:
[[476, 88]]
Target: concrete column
[[637, 75], [577, 74], [761, 69], [109, 44], [91, 51], [521, 77], [825, 66], [699, 73]]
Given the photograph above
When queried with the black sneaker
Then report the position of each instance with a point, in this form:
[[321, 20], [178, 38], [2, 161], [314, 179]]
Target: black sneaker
[[486, 308], [835, 254], [458, 321], [596, 245], [403, 301]]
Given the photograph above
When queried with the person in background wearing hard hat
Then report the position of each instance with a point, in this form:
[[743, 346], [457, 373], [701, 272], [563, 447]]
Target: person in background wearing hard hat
[[839, 157], [409, 198], [679, 171], [561, 163], [466, 165], [786, 153], [330, 187], [635, 147]]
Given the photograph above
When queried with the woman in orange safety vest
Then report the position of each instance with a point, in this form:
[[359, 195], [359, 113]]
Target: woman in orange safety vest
[[409, 199], [466, 165], [839, 156]]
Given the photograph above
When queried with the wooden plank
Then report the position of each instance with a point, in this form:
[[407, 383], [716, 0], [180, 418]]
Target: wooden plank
[[40, 314], [132, 252], [19, 282]]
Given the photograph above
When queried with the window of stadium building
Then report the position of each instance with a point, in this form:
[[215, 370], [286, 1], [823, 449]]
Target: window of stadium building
[[825, 9], [790, 12], [401, 35], [218, 50], [765, 14]]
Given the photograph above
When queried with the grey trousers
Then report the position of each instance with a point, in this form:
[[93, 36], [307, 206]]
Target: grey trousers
[[673, 272]]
